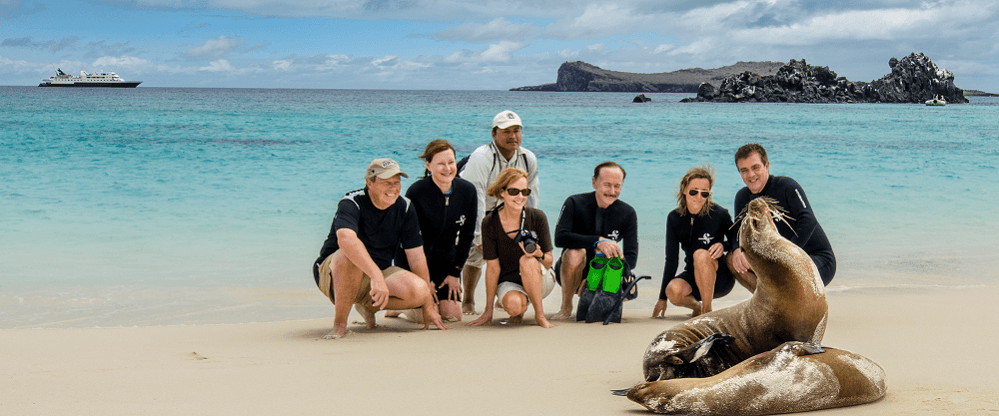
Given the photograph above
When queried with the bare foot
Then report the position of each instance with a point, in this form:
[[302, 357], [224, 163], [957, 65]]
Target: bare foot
[[697, 310], [542, 322], [513, 320], [392, 314], [369, 316], [562, 316], [468, 308], [337, 332]]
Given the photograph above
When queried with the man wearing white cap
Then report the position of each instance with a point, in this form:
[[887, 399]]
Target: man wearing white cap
[[484, 164], [355, 264]]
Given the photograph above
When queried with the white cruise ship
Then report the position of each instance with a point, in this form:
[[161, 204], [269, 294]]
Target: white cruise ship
[[85, 80]]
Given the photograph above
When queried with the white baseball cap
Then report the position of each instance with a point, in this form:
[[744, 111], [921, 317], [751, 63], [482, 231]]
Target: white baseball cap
[[507, 118]]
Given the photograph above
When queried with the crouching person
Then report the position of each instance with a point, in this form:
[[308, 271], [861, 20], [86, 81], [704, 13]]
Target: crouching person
[[355, 264]]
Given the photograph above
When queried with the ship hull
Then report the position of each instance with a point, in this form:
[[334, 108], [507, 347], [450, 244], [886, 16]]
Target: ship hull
[[128, 84]]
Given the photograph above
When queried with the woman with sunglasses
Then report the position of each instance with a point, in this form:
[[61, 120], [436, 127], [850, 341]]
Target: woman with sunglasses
[[446, 208], [518, 269], [702, 229]]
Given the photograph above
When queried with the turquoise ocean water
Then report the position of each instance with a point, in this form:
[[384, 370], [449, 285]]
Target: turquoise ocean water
[[159, 206]]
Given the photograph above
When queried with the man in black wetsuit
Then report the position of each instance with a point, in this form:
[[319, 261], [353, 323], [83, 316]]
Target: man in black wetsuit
[[804, 230], [355, 264], [591, 222]]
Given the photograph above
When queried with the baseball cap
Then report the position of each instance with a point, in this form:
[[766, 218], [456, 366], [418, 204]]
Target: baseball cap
[[384, 168], [506, 119]]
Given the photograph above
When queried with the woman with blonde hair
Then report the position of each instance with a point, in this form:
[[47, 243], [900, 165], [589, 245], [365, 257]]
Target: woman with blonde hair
[[702, 229], [517, 247]]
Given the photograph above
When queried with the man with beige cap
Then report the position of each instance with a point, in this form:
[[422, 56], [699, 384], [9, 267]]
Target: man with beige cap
[[355, 264], [482, 168]]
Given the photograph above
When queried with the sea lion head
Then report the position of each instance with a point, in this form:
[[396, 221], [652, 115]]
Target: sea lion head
[[669, 357], [758, 233]]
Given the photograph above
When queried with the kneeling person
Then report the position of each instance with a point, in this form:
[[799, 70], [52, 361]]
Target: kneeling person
[[703, 229], [355, 263], [590, 223]]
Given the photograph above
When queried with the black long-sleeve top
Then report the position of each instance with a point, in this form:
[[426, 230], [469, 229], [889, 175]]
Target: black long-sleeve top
[[804, 230], [691, 232], [581, 223], [447, 222]]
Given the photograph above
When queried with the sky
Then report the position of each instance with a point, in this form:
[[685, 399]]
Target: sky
[[479, 45]]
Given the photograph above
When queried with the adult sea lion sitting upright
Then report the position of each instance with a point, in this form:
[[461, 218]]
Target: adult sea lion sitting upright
[[789, 304]]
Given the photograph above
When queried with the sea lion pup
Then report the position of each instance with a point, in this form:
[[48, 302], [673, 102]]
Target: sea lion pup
[[789, 305], [794, 377]]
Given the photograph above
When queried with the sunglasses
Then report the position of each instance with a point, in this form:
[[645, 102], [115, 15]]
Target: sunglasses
[[515, 191], [704, 194]]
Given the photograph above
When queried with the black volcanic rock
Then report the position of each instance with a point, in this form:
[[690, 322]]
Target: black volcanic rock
[[913, 79], [581, 77], [641, 98]]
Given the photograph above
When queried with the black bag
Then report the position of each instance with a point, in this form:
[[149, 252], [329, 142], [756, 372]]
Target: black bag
[[598, 305]]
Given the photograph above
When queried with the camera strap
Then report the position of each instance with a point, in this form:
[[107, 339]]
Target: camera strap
[[523, 217]]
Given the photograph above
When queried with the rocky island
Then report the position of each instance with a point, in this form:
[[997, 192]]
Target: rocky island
[[583, 77], [913, 79]]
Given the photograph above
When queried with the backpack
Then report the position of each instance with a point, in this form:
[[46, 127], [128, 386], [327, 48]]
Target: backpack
[[464, 161]]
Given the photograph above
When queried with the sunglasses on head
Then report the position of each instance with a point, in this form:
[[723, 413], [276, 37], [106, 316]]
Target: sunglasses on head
[[704, 194], [515, 191]]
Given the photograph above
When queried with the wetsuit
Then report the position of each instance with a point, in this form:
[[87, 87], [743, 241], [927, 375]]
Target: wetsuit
[[581, 223], [447, 224], [692, 232], [381, 231], [804, 230]]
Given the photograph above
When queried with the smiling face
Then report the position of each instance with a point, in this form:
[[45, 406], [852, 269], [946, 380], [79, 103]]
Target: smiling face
[[384, 192], [608, 186], [442, 168], [516, 201], [696, 203], [754, 172], [508, 139]]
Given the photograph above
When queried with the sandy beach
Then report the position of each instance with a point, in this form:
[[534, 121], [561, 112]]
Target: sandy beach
[[935, 343]]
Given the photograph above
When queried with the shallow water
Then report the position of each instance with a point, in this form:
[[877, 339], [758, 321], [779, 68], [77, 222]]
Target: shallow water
[[180, 206]]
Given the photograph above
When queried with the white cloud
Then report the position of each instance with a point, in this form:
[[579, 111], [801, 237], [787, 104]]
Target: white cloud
[[496, 29], [220, 65], [217, 47], [121, 62], [281, 65], [497, 52]]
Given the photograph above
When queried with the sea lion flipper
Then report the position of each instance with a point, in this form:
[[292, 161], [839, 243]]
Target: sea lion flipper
[[621, 392]]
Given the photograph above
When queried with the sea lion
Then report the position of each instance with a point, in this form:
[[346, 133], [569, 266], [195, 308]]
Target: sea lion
[[794, 377], [789, 304]]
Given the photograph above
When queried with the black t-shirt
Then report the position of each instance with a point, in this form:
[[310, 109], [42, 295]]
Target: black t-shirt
[[447, 223], [381, 231], [805, 230], [498, 244], [692, 232], [581, 223]]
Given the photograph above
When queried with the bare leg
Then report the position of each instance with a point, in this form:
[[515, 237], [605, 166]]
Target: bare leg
[[571, 274], [705, 272], [450, 310], [469, 279], [530, 276], [679, 293], [346, 282], [368, 313]]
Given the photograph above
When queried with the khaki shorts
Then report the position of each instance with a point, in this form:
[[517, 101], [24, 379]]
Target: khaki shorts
[[363, 296], [475, 258], [547, 286]]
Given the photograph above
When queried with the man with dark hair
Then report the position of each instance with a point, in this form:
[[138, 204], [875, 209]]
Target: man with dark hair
[[804, 229], [591, 223], [483, 165], [355, 264]]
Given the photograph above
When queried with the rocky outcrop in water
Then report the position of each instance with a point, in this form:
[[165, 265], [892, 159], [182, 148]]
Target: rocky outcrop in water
[[913, 79], [583, 77]]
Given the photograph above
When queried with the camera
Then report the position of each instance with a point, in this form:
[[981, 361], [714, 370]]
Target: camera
[[529, 238]]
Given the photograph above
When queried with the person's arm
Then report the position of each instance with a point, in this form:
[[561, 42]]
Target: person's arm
[[564, 236], [477, 172], [534, 182], [672, 262], [739, 262], [355, 251], [545, 241], [798, 207], [492, 280], [630, 235], [467, 231]]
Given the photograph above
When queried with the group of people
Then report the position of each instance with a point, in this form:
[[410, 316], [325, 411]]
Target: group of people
[[421, 256]]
